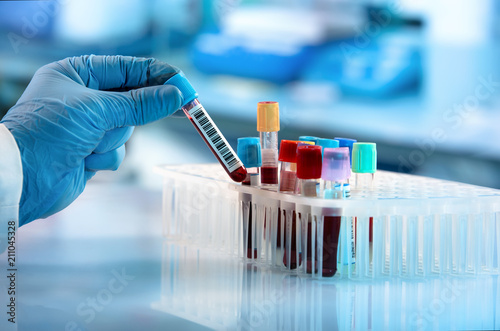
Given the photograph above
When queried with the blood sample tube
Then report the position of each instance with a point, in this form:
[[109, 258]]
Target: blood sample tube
[[288, 166], [268, 125], [207, 129], [308, 181], [249, 153], [338, 230], [308, 170]]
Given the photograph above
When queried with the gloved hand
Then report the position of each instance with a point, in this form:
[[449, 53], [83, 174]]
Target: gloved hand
[[74, 118]]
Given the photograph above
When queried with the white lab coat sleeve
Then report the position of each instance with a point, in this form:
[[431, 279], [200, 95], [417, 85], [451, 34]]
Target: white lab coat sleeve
[[11, 185]]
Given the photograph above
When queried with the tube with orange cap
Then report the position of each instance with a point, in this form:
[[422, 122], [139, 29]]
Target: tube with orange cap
[[268, 125]]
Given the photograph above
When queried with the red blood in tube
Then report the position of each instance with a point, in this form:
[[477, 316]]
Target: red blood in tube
[[293, 244], [269, 175], [237, 175], [331, 232]]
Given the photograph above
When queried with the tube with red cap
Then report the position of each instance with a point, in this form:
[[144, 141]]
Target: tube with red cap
[[288, 166], [309, 163]]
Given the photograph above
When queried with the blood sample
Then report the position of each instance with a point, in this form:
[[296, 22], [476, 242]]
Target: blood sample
[[288, 166], [308, 170], [249, 153], [338, 230], [268, 125], [308, 180], [208, 130]]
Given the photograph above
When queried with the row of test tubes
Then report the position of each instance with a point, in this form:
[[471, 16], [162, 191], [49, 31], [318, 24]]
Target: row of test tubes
[[310, 167]]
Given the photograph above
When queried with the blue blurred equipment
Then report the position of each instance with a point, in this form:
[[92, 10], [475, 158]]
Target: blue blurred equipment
[[261, 42], [379, 70], [74, 119]]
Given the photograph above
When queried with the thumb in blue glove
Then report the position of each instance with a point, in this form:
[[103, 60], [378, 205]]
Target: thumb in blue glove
[[74, 118]]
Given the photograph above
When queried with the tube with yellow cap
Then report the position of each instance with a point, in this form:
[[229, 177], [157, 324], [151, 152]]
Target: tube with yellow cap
[[268, 125]]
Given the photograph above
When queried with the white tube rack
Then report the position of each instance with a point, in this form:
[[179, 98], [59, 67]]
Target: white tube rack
[[421, 227]]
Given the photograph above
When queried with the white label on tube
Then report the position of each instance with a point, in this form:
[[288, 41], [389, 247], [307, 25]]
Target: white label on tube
[[215, 138]]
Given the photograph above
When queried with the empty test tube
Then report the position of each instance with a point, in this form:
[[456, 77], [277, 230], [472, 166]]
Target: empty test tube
[[364, 164], [207, 129]]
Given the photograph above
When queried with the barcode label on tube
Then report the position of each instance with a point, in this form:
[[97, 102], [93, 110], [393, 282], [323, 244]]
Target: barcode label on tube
[[215, 138]]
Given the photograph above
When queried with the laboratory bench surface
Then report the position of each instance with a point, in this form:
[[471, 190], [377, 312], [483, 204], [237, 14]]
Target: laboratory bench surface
[[102, 264]]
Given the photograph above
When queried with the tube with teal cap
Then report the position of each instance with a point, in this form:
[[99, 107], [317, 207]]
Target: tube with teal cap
[[207, 129], [364, 164]]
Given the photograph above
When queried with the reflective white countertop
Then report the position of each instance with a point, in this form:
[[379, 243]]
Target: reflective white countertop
[[102, 264]]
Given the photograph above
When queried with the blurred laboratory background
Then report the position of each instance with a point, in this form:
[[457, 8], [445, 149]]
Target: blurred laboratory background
[[419, 78]]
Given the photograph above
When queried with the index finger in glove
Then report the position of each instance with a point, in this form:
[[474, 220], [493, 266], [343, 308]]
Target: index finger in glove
[[113, 139], [117, 72]]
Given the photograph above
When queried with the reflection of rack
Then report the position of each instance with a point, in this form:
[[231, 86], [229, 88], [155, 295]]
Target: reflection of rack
[[421, 226], [204, 286]]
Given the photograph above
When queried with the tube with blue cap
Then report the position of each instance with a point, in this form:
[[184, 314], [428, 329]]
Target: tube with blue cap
[[207, 129]]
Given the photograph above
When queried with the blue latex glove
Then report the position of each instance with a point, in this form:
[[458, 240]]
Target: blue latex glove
[[74, 118]]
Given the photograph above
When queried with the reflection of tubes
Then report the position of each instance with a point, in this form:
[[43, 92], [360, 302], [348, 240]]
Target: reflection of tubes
[[268, 125], [208, 130]]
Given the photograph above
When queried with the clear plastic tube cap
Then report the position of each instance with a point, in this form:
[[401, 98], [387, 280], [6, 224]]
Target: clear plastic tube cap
[[309, 138], [336, 164], [268, 116], [309, 162], [364, 157], [249, 152], [180, 81]]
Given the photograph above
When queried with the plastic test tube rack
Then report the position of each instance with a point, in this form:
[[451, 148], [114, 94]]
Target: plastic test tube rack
[[421, 226]]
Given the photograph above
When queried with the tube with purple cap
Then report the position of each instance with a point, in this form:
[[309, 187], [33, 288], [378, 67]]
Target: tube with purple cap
[[335, 173]]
